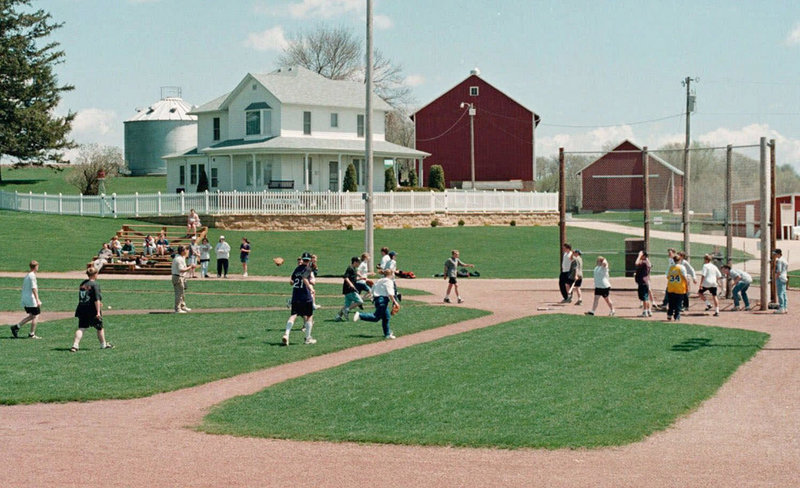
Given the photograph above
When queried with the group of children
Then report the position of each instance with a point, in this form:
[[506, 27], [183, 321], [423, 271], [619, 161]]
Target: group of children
[[571, 279]]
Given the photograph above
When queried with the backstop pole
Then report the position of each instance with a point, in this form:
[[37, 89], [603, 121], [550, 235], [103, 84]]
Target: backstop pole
[[764, 226], [562, 204], [646, 196], [728, 214]]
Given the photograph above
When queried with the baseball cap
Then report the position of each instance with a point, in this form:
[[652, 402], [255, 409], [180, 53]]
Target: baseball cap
[[777, 251], [577, 251], [221, 238], [392, 254], [306, 256]]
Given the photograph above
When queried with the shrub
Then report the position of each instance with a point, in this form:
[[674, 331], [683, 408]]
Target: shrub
[[436, 178], [349, 227], [461, 222], [435, 223], [412, 178], [350, 183], [202, 182], [389, 180], [513, 223]]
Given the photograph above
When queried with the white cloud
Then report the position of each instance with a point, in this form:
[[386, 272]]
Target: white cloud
[[787, 149], [414, 80], [793, 39], [273, 39], [593, 140], [93, 122], [382, 22], [324, 8]]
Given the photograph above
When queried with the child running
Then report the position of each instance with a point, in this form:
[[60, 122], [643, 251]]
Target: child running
[[576, 275], [351, 297], [89, 311], [302, 299], [30, 302], [602, 286], [451, 274]]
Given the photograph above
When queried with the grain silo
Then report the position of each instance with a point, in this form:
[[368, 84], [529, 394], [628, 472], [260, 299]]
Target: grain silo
[[164, 127]]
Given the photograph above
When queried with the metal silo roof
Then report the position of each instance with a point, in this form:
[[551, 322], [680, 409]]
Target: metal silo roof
[[170, 108]]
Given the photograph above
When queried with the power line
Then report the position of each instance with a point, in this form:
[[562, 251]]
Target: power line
[[445, 132], [613, 125]]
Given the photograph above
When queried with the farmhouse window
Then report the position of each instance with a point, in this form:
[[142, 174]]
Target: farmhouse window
[[216, 128], [253, 123], [360, 125], [307, 123], [334, 120]]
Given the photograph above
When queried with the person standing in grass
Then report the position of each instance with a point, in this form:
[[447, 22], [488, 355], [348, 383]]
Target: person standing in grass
[[563, 278], [677, 287], [244, 255], [90, 311], [205, 256], [223, 252], [385, 259], [302, 299], [781, 279], [180, 272], [451, 274], [602, 286], [351, 297], [711, 276], [741, 282], [383, 295], [642, 277], [30, 302], [576, 275]]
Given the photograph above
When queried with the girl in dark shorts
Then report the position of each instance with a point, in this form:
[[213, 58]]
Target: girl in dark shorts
[[602, 286], [89, 311]]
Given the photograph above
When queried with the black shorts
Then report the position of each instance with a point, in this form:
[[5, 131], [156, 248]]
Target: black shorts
[[453, 280], [577, 282], [644, 292], [601, 292], [87, 322], [33, 310], [303, 309], [712, 290]]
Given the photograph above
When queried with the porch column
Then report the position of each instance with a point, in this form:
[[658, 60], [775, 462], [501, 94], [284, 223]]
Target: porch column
[[254, 176], [339, 175], [305, 171], [230, 181]]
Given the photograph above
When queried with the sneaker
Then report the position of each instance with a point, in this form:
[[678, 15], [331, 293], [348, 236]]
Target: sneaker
[[317, 307], [107, 346], [356, 317], [649, 313], [566, 300], [669, 317], [181, 311], [579, 302], [460, 300], [73, 349], [612, 313], [446, 299], [644, 314], [747, 309], [310, 340], [779, 311], [15, 331], [187, 309], [244, 275], [390, 336], [708, 306], [33, 336], [338, 319], [716, 314], [285, 340], [589, 313]]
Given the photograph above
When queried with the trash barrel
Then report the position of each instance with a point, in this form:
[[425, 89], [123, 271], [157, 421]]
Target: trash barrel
[[632, 247]]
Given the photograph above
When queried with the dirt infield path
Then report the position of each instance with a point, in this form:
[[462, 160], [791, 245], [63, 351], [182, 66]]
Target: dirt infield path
[[747, 435]]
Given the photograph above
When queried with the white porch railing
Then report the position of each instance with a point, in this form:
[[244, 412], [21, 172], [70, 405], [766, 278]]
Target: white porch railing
[[276, 203]]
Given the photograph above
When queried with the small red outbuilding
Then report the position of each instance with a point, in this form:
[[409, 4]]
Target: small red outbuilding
[[614, 182], [746, 217]]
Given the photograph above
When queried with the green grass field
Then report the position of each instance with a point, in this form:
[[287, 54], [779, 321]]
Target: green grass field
[[157, 353], [497, 252], [53, 182], [61, 294], [540, 382]]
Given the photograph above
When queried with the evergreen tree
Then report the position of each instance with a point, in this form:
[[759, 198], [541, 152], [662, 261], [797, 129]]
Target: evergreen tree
[[436, 178], [202, 181], [412, 178], [30, 132], [350, 183], [389, 180]]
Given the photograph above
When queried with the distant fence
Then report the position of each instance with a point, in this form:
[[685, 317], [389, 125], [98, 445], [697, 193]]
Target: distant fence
[[278, 203]]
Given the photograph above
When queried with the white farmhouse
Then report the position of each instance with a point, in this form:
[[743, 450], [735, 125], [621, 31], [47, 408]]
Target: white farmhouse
[[291, 129]]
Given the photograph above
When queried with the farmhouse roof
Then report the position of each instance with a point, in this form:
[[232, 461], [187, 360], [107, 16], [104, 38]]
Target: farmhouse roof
[[652, 156]]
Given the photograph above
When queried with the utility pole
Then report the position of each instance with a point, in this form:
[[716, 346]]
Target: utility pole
[[687, 161], [472, 112], [368, 196]]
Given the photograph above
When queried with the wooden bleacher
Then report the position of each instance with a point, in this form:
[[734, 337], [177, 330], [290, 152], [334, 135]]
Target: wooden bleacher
[[153, 264]]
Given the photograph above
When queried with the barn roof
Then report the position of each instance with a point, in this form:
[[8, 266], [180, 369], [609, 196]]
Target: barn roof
[[652, 156]]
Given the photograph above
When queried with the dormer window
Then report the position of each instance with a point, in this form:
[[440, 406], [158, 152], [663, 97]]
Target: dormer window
[[473, 91], [252, 122]]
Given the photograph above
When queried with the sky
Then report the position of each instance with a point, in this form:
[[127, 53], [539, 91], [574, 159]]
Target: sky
[[596, 71]]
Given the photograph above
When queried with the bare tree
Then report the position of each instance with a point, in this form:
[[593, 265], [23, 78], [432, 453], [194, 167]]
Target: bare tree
[[91, 160]]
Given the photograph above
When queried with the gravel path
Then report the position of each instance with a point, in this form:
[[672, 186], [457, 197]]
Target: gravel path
[[747, 435]]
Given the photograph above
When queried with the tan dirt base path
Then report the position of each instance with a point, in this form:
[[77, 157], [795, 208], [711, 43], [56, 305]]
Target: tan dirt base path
[[747, 435]]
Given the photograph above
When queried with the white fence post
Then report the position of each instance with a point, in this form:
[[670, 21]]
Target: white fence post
[[30, 202], [159, 204], [80, 205], [136, 203], [60, 204], [102, 201], [206, 201], [114, 201], [183, 202], [44, 202]]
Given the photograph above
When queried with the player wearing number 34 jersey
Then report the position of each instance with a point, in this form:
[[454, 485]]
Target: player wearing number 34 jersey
[[676, 289]]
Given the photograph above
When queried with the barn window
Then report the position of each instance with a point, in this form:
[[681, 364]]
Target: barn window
[[473, 91]]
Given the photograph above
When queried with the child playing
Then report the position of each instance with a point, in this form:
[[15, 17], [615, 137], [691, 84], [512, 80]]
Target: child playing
[[602, 286], [351, 297], [576, 275], [89, 311], [451, 274]]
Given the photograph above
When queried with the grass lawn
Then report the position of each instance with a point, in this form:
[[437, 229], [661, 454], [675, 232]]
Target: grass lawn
[[62, 295], [497, 252], [157, 353], [550, 381], [53, 182]]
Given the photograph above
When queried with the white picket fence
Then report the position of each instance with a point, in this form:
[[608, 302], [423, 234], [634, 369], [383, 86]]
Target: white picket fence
[[277, 203]]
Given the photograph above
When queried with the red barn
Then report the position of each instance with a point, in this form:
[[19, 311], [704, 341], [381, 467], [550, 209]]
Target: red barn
[[503, 132], [614, 182], [746, 217]]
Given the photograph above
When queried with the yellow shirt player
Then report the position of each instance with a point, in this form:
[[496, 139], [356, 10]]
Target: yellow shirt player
[[677, 287]]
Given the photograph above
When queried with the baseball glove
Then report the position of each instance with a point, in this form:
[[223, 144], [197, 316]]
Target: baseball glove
[[395, 309], [278, 261], [370, 283]]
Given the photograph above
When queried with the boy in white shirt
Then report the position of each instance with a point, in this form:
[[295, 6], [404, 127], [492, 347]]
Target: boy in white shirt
[[711, 276], [30, 301]]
